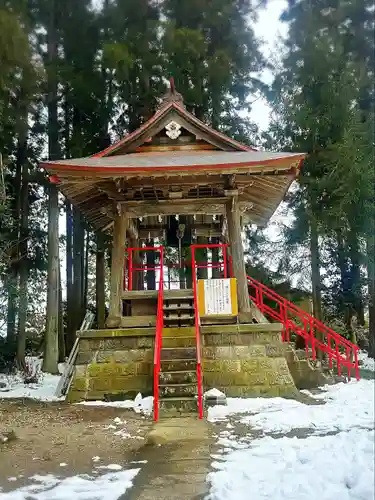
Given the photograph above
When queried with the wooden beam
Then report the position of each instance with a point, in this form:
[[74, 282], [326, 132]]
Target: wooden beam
[[117, 268], [185, 206]]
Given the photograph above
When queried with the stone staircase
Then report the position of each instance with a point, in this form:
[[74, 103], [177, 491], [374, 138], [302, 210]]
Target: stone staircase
[[178, 308], [178, 386], [309, 374]]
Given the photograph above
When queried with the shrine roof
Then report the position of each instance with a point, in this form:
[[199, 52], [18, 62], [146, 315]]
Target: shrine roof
[[175, 160]]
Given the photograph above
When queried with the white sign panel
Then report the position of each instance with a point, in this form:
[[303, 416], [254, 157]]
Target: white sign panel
[[217, 296]]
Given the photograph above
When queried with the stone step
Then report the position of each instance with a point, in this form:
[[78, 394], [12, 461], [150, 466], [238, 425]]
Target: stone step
[[171, 406], [177, 390], [183, 331], [178, 377], [178, 307], [179, 342], [186, 294], [174, 353], [177, 316], [173, 365]]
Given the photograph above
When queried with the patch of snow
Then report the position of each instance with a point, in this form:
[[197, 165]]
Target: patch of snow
[[95, 459], [324, 467], [139, 405], [118, 421], [12, 479], [109, 486], [333, 457], [214, 393], [43, 390], [61, 368], [347, 406], [122, 434], [110, 467], [365, 361], [63, 464]]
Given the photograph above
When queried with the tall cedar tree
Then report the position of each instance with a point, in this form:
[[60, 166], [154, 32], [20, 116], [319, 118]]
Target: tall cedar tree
[[315, 93]]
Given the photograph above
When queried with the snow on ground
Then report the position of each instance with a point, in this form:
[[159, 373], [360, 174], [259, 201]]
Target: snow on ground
[[366, 363], [13, 386], [110, 486], [139, 405], [293, 451], [347, 405]]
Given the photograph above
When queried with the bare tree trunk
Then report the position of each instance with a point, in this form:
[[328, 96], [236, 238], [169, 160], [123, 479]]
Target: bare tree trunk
[[51, 353], [315, 276], [315, 269], [356, 277], [343, 265], [24, 267], [100, 280], [370, 249], [86, 271], [62, 350], [12, 274], [78, 274], [69, 274]]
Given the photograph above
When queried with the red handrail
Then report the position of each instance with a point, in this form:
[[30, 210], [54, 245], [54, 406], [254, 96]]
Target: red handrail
[[345, 353], [158, 338], [197, 335]]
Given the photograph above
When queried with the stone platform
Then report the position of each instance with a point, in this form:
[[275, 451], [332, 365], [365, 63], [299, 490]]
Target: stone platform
[[238, 359]]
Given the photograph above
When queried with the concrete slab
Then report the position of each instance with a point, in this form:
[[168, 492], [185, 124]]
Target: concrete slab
[[178, 461]]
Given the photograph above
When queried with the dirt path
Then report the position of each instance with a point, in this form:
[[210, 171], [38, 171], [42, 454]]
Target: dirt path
[[50, 434]]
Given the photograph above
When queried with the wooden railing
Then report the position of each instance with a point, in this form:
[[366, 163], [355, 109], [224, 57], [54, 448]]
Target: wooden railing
[[316, 335]]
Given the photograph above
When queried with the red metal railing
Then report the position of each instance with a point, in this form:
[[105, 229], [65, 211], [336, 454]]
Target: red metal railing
[[298, 322], [158, 339]]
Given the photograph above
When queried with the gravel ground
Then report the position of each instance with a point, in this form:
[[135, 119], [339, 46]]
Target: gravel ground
[[48, 435]]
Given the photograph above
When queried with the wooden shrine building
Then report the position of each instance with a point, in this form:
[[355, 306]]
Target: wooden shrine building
[[173, 183]]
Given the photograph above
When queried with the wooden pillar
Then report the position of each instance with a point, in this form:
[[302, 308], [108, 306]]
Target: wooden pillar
[[100, 280], [117, 269], [235, 240]]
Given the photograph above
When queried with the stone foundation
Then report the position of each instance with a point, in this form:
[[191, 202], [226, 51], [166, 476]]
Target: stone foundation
[[113, 363], [246, 360], [240, 360]]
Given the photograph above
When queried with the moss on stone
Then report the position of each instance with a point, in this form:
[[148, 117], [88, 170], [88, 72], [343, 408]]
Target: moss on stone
[[79, 383], [120, 332], [131, 383], [233, 351]]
